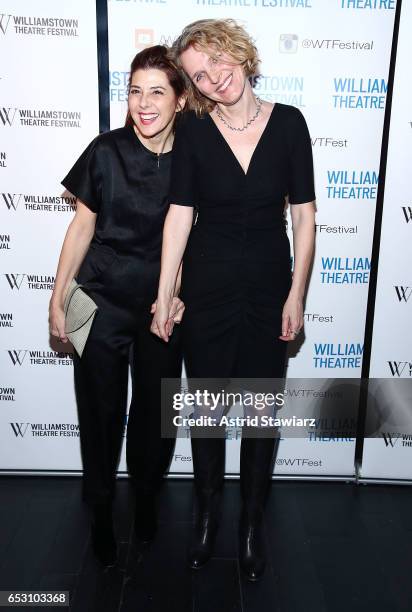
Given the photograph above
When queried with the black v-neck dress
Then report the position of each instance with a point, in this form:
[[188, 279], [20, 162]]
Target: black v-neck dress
[[237, 263]]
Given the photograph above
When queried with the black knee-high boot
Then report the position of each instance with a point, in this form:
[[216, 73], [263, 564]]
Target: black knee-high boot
[[208, 467], [256, 458]]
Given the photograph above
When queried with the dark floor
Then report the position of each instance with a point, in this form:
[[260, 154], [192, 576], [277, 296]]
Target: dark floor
[[331, 546]]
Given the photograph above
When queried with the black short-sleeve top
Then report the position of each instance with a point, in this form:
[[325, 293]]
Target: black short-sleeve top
[[241, 213], [126, 185]]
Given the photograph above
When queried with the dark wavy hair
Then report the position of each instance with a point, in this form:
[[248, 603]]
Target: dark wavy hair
[[157, 57]]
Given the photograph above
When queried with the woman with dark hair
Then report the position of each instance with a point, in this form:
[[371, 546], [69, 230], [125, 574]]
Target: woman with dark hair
[[236, 158], [113, 248]]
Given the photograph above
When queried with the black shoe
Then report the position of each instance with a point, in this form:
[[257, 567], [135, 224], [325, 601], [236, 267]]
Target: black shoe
[[145, 518], [204, 536], [102, 535], [252, 558], [256, 457], [208, 468]]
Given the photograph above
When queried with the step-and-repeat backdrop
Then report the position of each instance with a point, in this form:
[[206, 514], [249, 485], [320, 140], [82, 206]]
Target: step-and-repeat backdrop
[[330, 58], [48, 113]]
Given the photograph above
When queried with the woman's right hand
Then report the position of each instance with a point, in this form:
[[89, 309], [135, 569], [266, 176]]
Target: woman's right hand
[[162, 325], [57, 322]]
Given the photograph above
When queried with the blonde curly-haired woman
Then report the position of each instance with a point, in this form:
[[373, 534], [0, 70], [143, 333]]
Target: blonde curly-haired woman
[[236, 158]]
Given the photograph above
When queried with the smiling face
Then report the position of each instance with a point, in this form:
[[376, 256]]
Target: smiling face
[[152, 102], [215, 75]]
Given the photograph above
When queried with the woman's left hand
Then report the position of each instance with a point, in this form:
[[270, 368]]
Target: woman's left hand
[[292, 318]]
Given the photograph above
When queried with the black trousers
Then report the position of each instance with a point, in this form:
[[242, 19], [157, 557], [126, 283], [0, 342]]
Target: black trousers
[[121, 334]]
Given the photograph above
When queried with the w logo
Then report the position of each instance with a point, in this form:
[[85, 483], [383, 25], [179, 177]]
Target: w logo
[[400, 368], [19, 429], [407, 211], [390, 439], [17, 357], [15, 280], [12, 200], [403, 293], [4, 22], [7, 115]]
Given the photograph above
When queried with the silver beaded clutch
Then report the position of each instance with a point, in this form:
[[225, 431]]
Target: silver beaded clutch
[[79, 310]]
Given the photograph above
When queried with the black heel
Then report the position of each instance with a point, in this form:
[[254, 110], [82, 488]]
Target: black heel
[[252, 557], [208, 466], [256, 456], [102, 534], [203, 541], [145, 518]]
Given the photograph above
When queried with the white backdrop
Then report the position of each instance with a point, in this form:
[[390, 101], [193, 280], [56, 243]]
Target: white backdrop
[[48, 114], [328, 57], [331, 60]]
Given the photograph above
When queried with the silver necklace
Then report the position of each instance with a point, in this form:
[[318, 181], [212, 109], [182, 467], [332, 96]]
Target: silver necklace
[[241, 129]]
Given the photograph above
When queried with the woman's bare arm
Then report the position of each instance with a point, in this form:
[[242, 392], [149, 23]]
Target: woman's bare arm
[[303, 227], [75, 245], [176, 231]]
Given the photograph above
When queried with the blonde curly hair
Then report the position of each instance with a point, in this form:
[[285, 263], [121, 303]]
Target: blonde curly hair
[[214, 36]]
